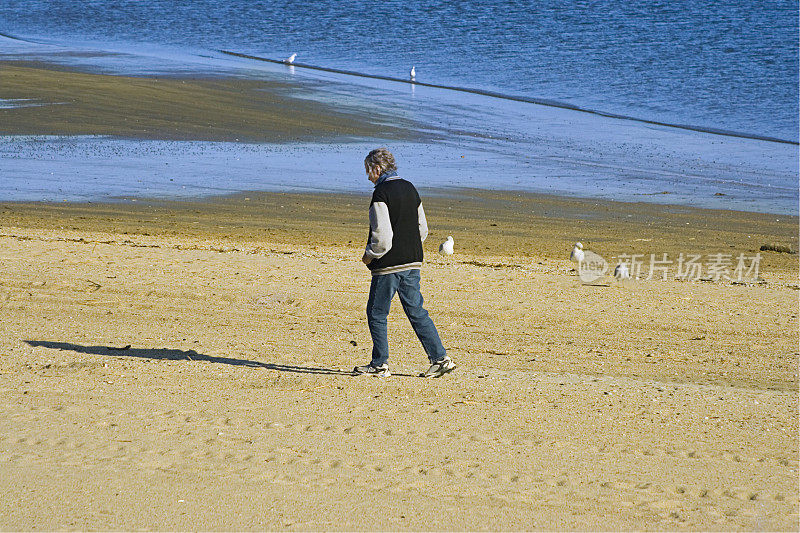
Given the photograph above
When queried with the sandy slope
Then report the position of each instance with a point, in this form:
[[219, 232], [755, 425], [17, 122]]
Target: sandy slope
[[655, 405]]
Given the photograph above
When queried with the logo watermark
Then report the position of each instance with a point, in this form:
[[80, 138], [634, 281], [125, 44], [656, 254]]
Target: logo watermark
[[592, 268], [687, 267]]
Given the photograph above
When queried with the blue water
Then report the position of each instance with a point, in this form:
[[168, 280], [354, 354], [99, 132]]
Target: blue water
[[731, 68], [728, 64]]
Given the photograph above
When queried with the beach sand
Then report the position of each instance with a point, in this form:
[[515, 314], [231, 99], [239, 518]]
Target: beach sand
[[185, 365], [211, 108]]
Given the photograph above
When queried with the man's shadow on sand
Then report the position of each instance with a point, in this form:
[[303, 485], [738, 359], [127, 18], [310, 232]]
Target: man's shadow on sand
[[181, 355]]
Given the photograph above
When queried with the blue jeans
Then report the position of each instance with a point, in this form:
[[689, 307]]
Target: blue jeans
[[381, 292]]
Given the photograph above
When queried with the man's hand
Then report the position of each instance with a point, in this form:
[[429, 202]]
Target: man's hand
[[366, 259]]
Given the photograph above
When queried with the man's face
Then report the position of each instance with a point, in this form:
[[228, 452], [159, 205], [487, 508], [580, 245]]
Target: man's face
[[371, 174]]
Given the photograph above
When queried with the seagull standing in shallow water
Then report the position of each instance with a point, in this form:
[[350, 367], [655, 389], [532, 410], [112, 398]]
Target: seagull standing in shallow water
[[413, 73], [577, 253], [289, 60], [446, 248]]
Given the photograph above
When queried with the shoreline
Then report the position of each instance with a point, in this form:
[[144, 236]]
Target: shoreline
[[246, 128], [524, 99]]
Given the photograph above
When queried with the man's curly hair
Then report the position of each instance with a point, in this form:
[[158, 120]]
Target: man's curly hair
[[381, 158]]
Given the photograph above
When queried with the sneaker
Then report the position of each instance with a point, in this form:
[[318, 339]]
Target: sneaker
[[380, 371], [439, 368]]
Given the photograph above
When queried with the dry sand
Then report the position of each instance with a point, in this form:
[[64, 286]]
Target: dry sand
[[651, 405]]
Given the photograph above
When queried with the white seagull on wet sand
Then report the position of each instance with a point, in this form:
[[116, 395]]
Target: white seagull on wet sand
[[446, 248], [289, 60], [413, 73], [577, 253]]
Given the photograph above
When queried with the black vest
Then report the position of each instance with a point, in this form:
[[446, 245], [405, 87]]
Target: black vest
[[402, 199]]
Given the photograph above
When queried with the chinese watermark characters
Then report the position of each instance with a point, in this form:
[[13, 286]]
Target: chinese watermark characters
[[692, 267]]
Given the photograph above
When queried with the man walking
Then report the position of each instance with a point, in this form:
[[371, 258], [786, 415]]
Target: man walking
[[397, 228]]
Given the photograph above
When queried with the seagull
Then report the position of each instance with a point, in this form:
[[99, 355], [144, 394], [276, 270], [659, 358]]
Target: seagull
[[289, 60], [621, 272], [413, 73], [446, 248], [577, 253]]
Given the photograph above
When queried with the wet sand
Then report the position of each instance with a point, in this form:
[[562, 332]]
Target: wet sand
[[185, 365], [191, 108], [482, 222]]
